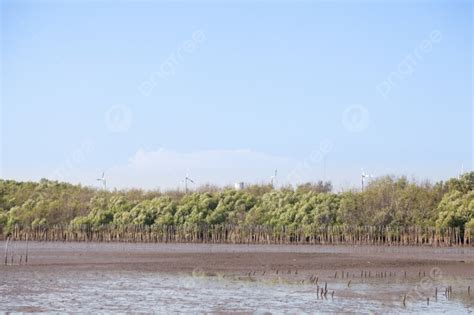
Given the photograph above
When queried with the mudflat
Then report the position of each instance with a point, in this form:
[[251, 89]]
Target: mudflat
[[239, 258], [144, 277]]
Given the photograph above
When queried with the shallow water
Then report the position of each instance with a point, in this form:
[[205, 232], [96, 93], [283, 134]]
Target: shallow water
[[129, 291], [103, 277]]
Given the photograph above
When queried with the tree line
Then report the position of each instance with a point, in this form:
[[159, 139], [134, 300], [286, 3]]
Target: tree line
[[386, 201]]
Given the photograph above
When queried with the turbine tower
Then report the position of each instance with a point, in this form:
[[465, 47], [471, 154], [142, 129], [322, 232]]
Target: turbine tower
[[462, 171], [363, 176], [186, 180], [104, 182], [273, 178]]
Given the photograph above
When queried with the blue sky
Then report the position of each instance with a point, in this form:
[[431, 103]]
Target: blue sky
[[148, 91]]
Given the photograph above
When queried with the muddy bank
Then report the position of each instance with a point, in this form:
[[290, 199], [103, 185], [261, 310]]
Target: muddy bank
[[91, 277], [239, 258]]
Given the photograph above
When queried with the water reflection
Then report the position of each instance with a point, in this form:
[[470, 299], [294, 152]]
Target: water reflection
[[127, 291]]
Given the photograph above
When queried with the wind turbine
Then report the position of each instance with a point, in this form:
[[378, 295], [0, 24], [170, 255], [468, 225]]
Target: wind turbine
[[273, 178], [104, 182], [186, 180], [363, 176], [462, 171]]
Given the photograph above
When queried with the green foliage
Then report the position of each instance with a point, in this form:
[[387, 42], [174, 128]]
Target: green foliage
[[319, 187], [456, 209], [3, 218], [81, 221], [385, 201], [39, 222], [351, 210]]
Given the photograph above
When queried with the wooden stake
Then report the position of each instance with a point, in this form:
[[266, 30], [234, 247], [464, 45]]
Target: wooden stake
[[26, 254], [6, 250]]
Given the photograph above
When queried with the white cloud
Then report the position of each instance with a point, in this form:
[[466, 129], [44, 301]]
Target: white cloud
[[166, 169]]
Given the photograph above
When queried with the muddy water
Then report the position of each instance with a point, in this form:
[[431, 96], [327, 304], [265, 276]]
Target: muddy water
[[144, 292], [84, 279]]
